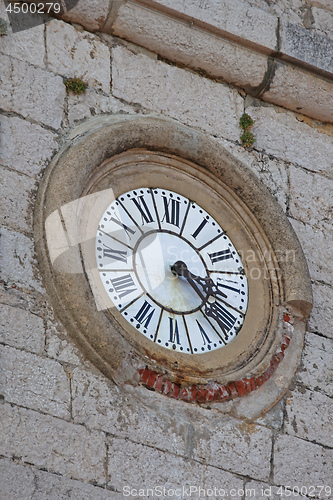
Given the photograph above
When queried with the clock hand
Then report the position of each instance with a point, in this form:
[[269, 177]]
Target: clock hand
[[208, 286]]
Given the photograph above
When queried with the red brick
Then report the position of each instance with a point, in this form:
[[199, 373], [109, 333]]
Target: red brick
[[232, 390], [279, 356], [241, 387], [145, 374], [286, 318], [151, 379], [167, 387], [249, 384], [188, 393], [259, 381], [286, 339], [212, 392], [201, 393], [224, 394], [175, 391], [159, 383]]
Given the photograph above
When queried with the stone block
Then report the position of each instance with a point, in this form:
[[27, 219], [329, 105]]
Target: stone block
[[299, 463], [317, 246], [21, 329], [73, 53], [190, 46], [31, 92], [309, 416], [25, 483], [316, 370], [272, 172], [145, 467], [235, 17], [25, 146], [51, 443], [91, 103], [15, 196], [323, 20], [60, 347], [321, 318], [237, 447], [281, 133], [90, 14], [185, 96], [27, 45], [311, 198], [34, 382], [17, 261], [301, 91], [306, 45]]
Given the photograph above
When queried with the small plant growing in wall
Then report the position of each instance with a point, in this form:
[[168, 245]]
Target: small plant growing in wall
[[245, 123], [75, 85], [3, 27]]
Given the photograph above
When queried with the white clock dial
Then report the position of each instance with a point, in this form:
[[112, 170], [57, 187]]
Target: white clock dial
[[171, 271]]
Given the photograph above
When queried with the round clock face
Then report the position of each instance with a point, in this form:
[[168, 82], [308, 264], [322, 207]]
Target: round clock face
[[171, 270]]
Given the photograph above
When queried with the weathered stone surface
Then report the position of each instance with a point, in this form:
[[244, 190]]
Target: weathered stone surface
[[100, 405], [26, 45], [91, 14], [237, 447], [261, 491], [34, 382], [48, 442], [316, 369], [311, 198], [309, 416], [233, 16], [60, 347], [16, 260], [323, 20], [301, 91], [307, 46], [274, 417], [90, 104], [271, 171], [145, 467], [31, 92], [15, 191], [185, 44], [73, 53], [281, 134], [317, 246], [25, 483], [19, 328], [25, 146], [321, 318], [298, 463], [183, 95]]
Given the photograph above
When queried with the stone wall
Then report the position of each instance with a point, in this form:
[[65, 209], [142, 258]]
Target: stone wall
[[68, 432]]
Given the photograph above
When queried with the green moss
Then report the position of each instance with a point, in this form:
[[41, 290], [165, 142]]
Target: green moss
[[245, 123], [247, 139], [75, 85], [3, 27]]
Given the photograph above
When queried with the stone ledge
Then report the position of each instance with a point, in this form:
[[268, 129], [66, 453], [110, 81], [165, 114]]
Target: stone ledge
[[246, 33]]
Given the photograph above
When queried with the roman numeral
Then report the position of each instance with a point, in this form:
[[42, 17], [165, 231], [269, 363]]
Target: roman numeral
[[222, 255], [110, 253], [123, 285], [227, 287], [199, 228], [204, 335], [223, 317], [120, 224], [144, 315], [141, 205], [173, 330], [171, 211]]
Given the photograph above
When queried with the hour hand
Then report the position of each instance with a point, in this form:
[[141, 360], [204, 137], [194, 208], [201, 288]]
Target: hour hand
[[207, 284]]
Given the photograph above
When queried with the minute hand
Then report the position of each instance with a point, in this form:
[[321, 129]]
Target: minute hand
[[207, 284]]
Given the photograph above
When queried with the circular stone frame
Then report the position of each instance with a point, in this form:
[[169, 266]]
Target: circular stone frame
[[89, 163]]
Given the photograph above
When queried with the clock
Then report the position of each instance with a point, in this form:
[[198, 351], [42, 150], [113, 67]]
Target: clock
[[171, 270], [170, 264]]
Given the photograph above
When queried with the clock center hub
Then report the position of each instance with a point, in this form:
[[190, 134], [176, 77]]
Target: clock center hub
[[155, 255]]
